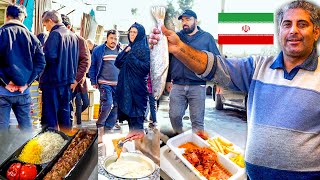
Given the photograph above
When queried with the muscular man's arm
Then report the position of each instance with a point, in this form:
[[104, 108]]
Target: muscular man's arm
[[193, 59]]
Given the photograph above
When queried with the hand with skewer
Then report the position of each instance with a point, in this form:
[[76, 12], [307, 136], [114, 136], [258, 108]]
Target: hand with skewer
[[135, 134]]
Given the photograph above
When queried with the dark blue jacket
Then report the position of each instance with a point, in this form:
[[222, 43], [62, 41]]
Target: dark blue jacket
[[178, 72], [96, 62], [21, 55], [62, 53]]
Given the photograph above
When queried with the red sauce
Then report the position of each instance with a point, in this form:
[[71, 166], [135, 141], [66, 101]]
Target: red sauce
[[188, 145], [219, 172], [205, 161]]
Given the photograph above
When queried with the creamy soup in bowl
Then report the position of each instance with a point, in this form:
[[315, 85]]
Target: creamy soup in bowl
[[129, 166]]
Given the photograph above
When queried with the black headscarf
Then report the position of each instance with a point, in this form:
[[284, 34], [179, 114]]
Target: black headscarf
[[141, 33], [134, 65]]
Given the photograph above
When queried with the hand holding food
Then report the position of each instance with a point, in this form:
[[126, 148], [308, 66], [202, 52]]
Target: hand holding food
[[135, 134]]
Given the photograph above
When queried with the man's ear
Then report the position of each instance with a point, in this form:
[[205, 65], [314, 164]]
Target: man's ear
[[316, 33], [22, 20]]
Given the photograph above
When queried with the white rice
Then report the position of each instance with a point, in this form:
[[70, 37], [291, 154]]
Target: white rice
[[52, 143]]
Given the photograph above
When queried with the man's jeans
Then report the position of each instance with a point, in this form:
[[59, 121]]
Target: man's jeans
[[21, 106], [108, 107], [182, 95], [56, 107], [153, 107], [82, 102], [135, 123]]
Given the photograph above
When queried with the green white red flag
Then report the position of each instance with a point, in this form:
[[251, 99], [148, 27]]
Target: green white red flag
[[245, 28]]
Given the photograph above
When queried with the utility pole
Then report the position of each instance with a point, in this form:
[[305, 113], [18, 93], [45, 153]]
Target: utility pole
[[222, 11]]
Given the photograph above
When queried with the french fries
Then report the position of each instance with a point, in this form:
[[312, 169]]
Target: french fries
[[239, 160], [218, 144], [232, 151], [213, 145], [224, 142]]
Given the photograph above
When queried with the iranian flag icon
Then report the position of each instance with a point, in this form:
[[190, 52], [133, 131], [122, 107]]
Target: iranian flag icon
[[245, 28]]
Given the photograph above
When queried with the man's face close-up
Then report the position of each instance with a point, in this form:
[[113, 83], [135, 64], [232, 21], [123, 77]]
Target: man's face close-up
[[297, 33], [112, 40], [188, 24]]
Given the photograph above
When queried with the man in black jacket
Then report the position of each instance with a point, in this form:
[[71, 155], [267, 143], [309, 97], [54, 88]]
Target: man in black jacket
[[185, 87], [21, 62], [61, 53]]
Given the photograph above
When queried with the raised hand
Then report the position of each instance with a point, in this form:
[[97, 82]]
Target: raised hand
[[173, 39]]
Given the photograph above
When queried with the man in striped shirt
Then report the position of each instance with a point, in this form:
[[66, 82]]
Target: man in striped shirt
[[104, 75], [283, 94]]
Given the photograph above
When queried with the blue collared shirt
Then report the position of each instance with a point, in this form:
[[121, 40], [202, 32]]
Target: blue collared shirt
[[310, 64]]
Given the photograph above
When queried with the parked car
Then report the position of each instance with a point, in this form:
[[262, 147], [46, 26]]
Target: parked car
[[223, 96]]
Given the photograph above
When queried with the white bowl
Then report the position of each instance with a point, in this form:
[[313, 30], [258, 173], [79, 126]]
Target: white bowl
[[127, 157]]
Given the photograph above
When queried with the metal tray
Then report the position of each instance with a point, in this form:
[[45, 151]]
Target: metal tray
[[42, 169], [84, 158]]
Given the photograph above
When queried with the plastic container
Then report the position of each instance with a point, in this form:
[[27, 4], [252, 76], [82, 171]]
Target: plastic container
[[174, 143]]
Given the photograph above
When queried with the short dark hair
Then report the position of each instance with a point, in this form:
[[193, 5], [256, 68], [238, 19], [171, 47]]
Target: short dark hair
[[53, 15], [16, 11], [65, 20], [112, 31], [311, 8]]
